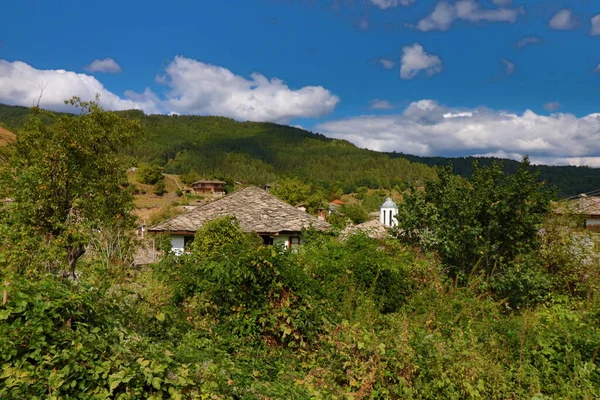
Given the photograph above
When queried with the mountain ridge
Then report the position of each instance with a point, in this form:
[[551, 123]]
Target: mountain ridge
[[262, 152]]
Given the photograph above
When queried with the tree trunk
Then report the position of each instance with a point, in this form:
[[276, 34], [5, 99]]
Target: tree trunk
[[74, 253]]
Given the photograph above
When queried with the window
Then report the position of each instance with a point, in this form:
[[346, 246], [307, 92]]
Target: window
[[187, 242], [293, 241]]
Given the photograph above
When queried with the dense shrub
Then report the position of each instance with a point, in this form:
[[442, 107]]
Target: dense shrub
[[148, 174]]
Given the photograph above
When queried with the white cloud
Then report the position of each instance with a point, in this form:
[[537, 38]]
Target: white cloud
[[597, 69], [502, 3], [595, 28], [509, 66], [415, 59], [193, 87], [378, 104], [108, 66], [563, 20], [444, 15], [22, 84], [428, 128], [385, 4], [385, 63], [552, 106], [199, 88], [528, 40]]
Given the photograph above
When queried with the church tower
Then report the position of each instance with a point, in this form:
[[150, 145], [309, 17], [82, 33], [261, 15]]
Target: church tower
[[388, 212]]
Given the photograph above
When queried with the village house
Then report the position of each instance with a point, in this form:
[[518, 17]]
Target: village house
[[378, 228], [209, 187], [589, 207], [256, 210]]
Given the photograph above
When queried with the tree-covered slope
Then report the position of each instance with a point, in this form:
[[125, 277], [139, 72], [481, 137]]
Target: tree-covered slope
[[258, 153], [569, 180]]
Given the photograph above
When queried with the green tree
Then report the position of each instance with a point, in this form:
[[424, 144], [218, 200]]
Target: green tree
[[296, 192], [148, 174], [67, 178], [481, 224]]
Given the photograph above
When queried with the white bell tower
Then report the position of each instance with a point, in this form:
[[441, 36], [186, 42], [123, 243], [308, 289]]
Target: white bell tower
[[388, 212]]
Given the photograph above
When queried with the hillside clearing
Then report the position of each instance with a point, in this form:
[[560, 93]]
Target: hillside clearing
[[6, 137]]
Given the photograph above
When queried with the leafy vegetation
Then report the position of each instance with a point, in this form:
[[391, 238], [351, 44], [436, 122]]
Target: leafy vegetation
[[569, 180], [67, 181], [483, 294], [261, 153]]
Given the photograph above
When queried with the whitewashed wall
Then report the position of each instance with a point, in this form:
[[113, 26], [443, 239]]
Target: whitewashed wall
[[177, 244]]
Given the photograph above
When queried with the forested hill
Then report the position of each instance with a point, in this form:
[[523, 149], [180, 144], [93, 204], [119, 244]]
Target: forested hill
[[256, 153], [569, 180], [259, 153]]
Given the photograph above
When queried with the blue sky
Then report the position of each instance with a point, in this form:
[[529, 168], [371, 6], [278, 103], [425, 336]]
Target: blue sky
[[423, 77]]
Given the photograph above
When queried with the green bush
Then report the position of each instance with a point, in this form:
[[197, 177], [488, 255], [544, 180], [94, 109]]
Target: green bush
[[149, 175], [160, 188]]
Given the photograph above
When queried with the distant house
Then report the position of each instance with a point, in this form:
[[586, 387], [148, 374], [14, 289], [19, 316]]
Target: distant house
[[373, 229], [335, 205], [378, 228], [209, 187], [589, 207], [256, 210]]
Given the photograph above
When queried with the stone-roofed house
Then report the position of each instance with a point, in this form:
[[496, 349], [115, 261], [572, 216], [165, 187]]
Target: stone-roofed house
[[589, 206], [256, 210], [209, 187]]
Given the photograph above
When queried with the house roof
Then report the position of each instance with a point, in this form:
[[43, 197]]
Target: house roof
[[588, 205], [337, 202], [209, 181], [255, 209], [389, 203], [374, 229]]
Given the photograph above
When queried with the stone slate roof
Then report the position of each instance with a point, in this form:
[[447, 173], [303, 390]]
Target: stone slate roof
[[588, 205], [373, 229], [255, 209]]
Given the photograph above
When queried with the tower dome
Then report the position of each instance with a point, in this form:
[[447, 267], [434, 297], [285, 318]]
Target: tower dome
[[388, 212]]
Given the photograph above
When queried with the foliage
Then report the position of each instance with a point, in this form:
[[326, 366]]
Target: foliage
[[351, 318], [159, 188], [149, 174], [355, 212], [480, 225], [298, 193], [67, 178], [190, 177], [569, 180]]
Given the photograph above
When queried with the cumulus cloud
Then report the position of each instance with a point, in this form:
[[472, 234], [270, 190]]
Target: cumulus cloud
[[415, 59], [192, 87], [428, 128], [378, 104], [563, 20], [552, 106], [528, 40], [108, 66], [595, 28], [444, 14], [22, 84], [198, 88], [385, 4]]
